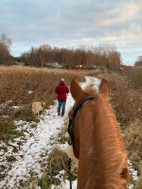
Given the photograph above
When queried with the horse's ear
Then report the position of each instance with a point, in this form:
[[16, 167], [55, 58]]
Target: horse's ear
[[105, 88], [76, 91]]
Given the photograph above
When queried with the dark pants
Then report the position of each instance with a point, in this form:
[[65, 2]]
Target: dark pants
[[61, 106]]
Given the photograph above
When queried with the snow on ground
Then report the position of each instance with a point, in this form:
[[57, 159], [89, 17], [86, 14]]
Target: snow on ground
[[34, 147]]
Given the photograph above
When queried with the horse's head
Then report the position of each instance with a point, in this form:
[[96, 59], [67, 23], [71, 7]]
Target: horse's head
[[79, 94], [96, 139]]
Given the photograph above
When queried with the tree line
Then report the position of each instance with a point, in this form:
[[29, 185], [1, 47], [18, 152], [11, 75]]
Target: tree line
[[102, 56]]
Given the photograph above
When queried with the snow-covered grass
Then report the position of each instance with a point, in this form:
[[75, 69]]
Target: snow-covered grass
[[28, 153], [32, 148]]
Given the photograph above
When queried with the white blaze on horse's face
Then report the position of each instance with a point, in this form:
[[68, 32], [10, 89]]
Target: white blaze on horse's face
[[98, 143]]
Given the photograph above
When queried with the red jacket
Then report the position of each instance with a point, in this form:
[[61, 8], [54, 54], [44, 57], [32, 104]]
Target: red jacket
[[61, 90]]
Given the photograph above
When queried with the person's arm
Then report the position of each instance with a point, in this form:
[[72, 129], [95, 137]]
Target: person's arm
[[67, 89], [56, 90]]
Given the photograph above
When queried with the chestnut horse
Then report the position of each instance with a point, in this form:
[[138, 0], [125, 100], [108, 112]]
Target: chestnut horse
[[97, 141]]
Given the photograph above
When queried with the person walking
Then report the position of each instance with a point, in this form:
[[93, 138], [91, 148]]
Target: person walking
[[62, 90]]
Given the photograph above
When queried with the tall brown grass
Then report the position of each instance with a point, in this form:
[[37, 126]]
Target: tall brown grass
[[134, 77], [133, 140], [57, 161], [20, 86], [126, 99]]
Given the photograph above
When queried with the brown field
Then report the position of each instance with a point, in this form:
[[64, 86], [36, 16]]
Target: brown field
[[20, 86], [126, 99]]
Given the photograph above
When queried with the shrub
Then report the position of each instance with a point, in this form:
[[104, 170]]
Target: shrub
[[57, 161]]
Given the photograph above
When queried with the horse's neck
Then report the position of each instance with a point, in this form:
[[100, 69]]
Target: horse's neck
[[85, 172], [89, 173]]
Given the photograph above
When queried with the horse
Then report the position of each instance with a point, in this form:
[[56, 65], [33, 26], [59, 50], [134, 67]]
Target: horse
[[96, 138]]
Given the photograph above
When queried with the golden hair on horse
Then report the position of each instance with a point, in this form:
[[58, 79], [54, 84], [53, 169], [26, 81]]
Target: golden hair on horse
[[98, 143]]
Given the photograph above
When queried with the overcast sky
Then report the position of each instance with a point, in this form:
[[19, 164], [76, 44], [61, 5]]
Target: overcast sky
[[73, 23]]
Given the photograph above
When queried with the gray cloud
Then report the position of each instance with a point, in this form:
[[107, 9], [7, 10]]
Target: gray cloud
[[73, 23]]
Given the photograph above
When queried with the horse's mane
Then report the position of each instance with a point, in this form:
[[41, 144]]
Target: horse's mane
[[112, 146]]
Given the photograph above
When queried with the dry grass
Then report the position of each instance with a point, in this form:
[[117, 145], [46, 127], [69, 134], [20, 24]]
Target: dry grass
[[139, 183], [20, 86], [62, 137], [126, 100], [134, 77], [133, 141], [57, 161]]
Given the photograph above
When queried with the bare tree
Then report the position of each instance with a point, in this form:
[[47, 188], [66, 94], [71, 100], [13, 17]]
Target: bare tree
[[5, 44], [139, 61]]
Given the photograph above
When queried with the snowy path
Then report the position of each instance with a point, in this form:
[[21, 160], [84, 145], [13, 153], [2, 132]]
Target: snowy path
[[36, 143]]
